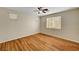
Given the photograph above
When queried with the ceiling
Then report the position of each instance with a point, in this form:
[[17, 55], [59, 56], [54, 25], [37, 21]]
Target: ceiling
[[30, 10]]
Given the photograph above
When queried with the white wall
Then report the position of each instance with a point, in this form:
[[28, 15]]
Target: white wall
[[70, 25], [25, 25]]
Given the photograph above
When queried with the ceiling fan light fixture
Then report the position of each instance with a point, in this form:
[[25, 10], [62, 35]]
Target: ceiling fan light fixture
[[41, 10]]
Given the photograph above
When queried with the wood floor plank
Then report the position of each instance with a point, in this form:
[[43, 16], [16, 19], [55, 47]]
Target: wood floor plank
[[39, 42]]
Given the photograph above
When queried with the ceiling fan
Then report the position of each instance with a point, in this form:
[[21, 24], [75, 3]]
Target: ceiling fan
[[41, 10]]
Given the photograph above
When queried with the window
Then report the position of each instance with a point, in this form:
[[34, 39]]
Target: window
[[53, 22]]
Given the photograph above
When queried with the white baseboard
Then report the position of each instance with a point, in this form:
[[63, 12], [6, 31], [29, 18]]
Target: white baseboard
[[20, 36], [61, 37], [14, 38]]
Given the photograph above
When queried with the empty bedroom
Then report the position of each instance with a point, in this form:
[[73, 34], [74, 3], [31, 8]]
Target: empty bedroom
[[39, 29]]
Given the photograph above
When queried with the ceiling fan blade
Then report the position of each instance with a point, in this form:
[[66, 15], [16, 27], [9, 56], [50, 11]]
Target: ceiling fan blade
[[46, 9], [40, 8], [43, 11], [38, 12]]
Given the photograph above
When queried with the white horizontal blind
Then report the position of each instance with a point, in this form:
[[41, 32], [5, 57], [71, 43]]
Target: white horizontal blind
[[49, 23], [53, 22]]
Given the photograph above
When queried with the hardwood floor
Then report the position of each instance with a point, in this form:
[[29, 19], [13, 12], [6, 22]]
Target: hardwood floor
[[39, 42]]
